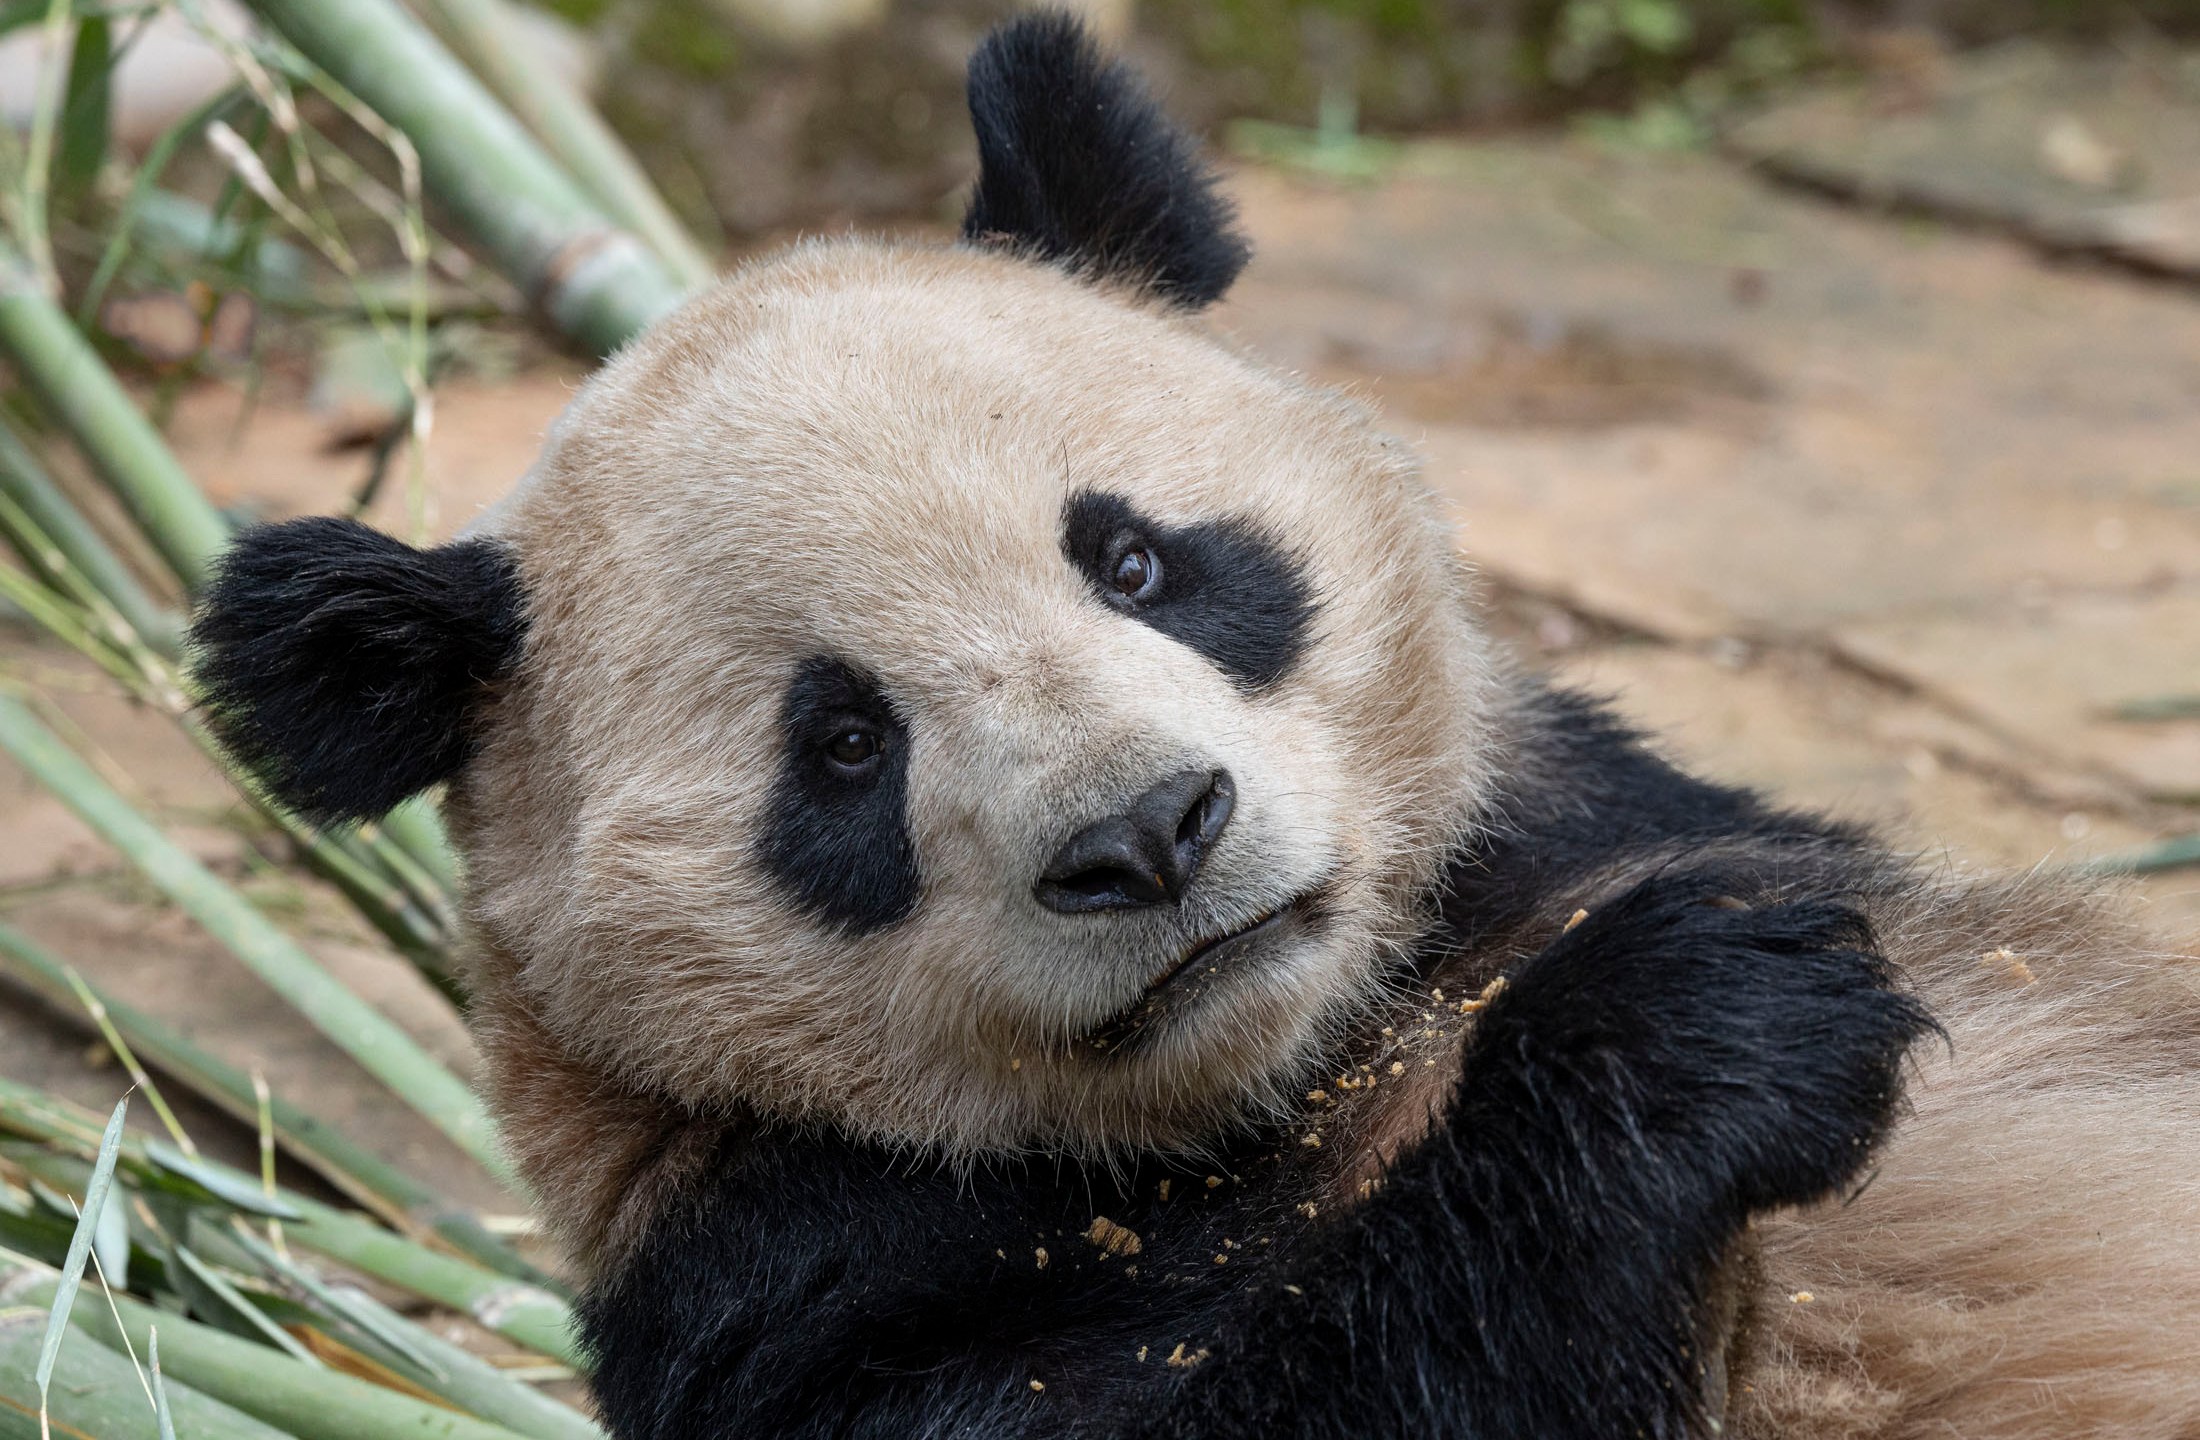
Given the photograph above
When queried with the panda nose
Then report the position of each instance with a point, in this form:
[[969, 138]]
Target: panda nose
[[1144, 856]]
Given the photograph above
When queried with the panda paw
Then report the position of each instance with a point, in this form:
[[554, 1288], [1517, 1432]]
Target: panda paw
[[1750, 1053]]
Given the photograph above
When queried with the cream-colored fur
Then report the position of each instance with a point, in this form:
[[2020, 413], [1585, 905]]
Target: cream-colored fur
[[2026, 1261], [864, 450]]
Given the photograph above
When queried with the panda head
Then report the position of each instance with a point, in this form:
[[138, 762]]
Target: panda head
[[944, 691]]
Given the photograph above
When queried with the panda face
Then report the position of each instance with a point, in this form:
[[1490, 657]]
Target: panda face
[[968, 705]]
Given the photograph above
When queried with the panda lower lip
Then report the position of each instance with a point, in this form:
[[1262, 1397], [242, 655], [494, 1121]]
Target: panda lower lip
[[1178, 985]]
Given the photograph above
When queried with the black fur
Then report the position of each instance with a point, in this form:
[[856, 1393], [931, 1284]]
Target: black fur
[[1078, 167], [840, 843], [1584, 792], [1226, 590], [1697, 1050], [340, 664]]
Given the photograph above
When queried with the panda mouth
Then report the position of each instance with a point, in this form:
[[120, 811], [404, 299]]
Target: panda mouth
[[1196, 972]]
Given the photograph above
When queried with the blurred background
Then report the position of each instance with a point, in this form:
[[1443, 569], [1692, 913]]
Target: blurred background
[[1821, 377]]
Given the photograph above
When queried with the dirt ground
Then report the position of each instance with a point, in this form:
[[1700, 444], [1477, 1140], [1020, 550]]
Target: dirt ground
[[1883, 517]]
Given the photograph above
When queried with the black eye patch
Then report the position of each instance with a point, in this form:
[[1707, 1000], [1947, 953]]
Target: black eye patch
[[1224, 588], [836, 834]]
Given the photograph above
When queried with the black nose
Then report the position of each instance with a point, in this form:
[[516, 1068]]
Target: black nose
[[1144, 856]]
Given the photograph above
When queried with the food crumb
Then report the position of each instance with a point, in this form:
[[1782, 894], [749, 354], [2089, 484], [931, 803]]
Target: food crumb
[[1294, 1289], [1802, 1297], [1113, 1238], [1037, 1386], [1307, 1208], [1436, 994], [1311, 1140], [1041, 1252], [1214, 1181], [1141, 1354], [1164, 1189], [1221, 1259], [1319, 1097], [1575, 919], [1182, 1361], [1016, 1064], [1489, 992], [1000, 1254], [1397, 1067], [2011, 963]]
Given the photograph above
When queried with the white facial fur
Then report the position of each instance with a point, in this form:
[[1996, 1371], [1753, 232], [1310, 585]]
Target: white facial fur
[[865, 451]]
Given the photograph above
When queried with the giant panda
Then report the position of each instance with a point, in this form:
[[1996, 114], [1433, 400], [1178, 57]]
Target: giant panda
[[1011, 895]]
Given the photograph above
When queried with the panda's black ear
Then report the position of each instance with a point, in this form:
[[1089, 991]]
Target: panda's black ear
[[340, 664], [1077, 165]]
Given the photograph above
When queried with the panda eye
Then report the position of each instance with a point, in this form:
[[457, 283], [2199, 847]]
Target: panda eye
[[1136, 574], [854, 749]]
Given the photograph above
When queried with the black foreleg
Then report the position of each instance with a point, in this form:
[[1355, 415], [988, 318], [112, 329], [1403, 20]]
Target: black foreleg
[[1670, 1066]]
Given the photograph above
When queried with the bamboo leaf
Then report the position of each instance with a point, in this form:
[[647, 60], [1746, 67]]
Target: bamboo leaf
[[143, 187], [361, 1174], [80, 1248], [164, 1422], [231, 1301], [313, 1404], [230, 1189], [390, 1336], [111, 1240], [82, 146], [531, 1315]]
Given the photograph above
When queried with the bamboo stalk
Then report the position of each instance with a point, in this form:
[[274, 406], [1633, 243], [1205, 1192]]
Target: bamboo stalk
[[2168, 855], [359, 1173], [312, 1404], [24, 481], [66, 374], [96, 1392], [358, 1029], [599, 285], [428, 1360], [484, 35], [394, 892], [528, 1315]]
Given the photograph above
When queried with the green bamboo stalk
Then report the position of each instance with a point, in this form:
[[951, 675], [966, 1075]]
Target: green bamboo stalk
[[483, 34], [24, 481], [415, 829], [312, 1404], [394, 892], [2168, 855], [57, 365], [526, 1314], [96, 1392], [362, 1032], [359, 1173], [598, 284], [426, 1358]]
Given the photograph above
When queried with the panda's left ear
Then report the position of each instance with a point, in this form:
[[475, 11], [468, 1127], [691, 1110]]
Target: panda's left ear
[[1076, 165], [341, 666]]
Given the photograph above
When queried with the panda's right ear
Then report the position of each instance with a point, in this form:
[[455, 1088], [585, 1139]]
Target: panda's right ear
[[341, 665]]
